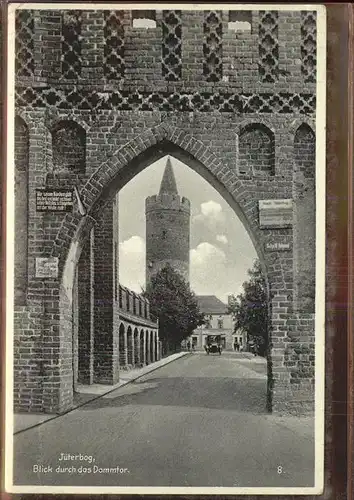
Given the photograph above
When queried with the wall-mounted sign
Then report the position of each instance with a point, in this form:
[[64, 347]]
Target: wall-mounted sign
[[278, 246], [54, 200], [275, 213], [47, 267]]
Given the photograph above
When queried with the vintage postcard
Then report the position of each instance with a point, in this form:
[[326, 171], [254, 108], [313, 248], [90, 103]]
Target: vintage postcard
[[165, 248]]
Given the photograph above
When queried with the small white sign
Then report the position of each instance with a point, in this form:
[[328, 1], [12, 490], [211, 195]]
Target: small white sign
[[278, 246], [276, 204], [47, 267]]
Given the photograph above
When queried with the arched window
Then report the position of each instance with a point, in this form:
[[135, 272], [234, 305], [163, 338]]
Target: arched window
[[130, 345], [256, 155], [69, 147], [304, 150], [21, 209], [122, 346]]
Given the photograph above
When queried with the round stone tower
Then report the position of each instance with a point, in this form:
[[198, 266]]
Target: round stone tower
[[167, 228]]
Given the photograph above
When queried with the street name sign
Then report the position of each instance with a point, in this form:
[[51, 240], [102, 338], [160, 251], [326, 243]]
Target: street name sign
[[278, 246]]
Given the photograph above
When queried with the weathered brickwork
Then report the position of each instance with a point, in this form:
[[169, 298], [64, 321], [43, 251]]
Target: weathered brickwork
[[268, 46], [71, 44], [212, 46], [171, 45], [167, 234], [304, 211], [21, 210], [114, 44], [212, 123], [256, 151], [24, 43], [308, 45], [68, 147]]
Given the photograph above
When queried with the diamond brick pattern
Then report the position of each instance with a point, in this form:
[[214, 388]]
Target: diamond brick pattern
[[114, 45], [71, 44], [268, 46], [167, 101], [308, 46], [172, 45], [24, 62], [212, 47]]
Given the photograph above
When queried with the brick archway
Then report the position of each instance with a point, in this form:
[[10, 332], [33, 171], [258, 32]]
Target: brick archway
[[199, 120], [137, 154], [131, 159]]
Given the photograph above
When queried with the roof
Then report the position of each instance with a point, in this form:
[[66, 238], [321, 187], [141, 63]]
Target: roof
[[168, 183], [209, 304]]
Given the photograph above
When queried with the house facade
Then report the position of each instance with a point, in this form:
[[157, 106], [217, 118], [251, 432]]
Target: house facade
[[219, 325]]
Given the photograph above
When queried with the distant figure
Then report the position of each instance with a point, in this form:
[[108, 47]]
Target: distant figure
[[235, 345], [188, 345], [193, 347]]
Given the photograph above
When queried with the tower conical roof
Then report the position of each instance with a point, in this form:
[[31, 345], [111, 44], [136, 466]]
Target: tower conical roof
[[168, 183]]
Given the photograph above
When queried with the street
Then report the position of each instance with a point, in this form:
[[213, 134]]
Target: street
[[198, 421]]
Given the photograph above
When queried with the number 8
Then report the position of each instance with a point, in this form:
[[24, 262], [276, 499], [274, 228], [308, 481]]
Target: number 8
[[280, 469]]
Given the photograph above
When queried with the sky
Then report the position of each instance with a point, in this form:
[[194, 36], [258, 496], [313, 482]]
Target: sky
[[221, 251]]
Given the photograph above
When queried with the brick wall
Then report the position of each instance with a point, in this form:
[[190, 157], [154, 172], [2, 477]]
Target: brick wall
[[21, 210], [256, 151], [125, 127], [68, 147], [304, 219], [85, 271]]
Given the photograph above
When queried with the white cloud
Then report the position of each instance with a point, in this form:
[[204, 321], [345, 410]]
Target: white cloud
[[206, 252], [211, 209], [222, 238], [210, 217], [207, 266], [132, 263], [211, 272]]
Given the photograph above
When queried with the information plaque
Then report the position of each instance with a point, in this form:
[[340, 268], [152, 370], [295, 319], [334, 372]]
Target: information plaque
[[275, 213], [47, 267], [54, 200]]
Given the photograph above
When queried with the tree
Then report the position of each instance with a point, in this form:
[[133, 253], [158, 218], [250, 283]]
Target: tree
[[175, 306], [250, 311]]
